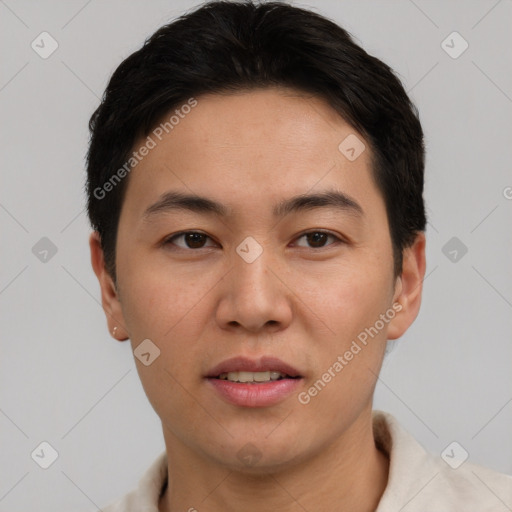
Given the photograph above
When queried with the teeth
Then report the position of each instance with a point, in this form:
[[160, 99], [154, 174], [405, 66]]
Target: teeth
[[259, 376], [252, 376]]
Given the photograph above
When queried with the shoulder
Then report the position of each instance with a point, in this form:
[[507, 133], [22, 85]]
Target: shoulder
[[145, 497], [420, 481], [470, 485]]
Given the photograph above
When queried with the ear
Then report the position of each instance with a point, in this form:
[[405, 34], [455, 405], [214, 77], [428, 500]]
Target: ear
[[109, 295], [408, 288]]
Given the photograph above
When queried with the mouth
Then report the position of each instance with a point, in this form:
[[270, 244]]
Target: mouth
[[243, 369], [254, 383], [255, 377]]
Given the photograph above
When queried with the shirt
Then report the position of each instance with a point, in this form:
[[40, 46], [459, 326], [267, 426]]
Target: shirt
[[417, 482]]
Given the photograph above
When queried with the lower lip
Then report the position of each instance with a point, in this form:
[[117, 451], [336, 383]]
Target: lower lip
[[257, 394]]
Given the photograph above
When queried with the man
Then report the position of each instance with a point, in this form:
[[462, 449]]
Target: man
[[255, 186]]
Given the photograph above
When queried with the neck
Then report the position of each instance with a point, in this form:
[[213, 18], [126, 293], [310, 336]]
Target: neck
[[349, 474]]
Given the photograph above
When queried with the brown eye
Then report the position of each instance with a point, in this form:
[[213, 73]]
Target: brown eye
[[192, 240], [317, 239]]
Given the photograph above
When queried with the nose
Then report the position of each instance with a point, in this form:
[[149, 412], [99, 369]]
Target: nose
[[255, 296]]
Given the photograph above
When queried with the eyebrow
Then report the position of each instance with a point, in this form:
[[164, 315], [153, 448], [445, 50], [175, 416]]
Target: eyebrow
[[178, 201]]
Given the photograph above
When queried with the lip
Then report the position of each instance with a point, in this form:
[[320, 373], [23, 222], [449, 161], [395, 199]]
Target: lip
[[244, 364], [262, 394]]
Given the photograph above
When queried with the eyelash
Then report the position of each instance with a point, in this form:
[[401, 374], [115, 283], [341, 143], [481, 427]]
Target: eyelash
[[168, 240]]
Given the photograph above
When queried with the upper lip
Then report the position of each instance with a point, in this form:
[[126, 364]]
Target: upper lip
[[244, 364]]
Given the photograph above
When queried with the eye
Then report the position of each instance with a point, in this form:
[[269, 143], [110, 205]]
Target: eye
[[192, 239], [318, 238], [196, 239]]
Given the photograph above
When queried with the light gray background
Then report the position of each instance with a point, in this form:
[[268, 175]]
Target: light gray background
[[64, 380]]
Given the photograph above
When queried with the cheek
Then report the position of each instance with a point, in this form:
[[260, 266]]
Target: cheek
[[171, 309], [350, 307], [160, 300], [168, 310], [351, 298]]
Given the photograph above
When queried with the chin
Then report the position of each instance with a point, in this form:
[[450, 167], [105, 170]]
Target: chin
[[260, 455]]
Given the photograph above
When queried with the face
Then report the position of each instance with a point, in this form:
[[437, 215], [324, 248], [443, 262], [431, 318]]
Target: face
[[261, 282]]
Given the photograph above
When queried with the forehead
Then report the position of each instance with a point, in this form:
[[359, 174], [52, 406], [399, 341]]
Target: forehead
[[262, 119], [251, 145]]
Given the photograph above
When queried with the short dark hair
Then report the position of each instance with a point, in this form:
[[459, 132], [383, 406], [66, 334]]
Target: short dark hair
[[226, 46]]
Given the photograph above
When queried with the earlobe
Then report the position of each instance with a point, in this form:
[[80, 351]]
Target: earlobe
[[409, 287], [109, 296]]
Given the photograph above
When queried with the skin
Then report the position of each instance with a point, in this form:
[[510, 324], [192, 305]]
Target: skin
[[300, 301]]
